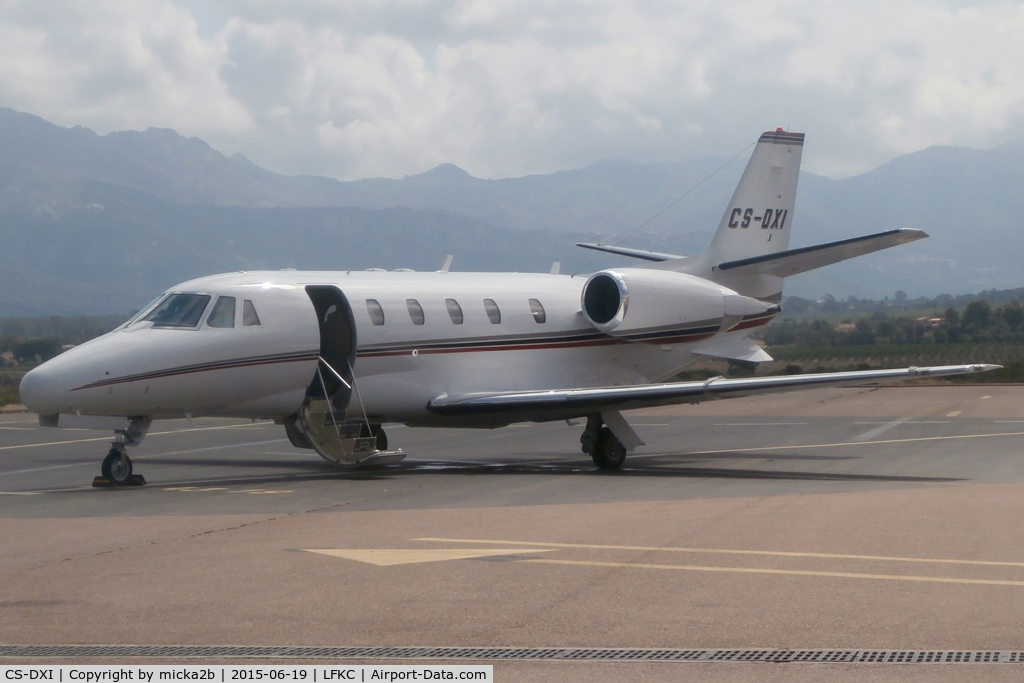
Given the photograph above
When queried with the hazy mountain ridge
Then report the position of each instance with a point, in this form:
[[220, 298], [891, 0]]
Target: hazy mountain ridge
[[608, 196], [95, 224]]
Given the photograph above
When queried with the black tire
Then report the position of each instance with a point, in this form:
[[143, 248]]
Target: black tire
[[382, 438], [116, 469], [376, 431], [609, 453]]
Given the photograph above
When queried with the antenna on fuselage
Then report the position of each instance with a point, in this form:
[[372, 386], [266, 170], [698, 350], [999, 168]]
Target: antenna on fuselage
[[555, 267], [447, 264]]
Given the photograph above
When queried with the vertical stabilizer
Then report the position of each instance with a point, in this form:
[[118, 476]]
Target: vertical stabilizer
[[757, 220], [759, 216]]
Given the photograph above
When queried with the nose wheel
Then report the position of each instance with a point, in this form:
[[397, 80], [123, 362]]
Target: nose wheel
[[116, 467]]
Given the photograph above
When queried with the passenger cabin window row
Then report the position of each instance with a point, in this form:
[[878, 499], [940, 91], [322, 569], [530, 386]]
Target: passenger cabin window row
[[186, 310], [416, 314]]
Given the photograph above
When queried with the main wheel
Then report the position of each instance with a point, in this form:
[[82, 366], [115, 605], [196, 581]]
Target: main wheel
[[116, 468], [609, 453]]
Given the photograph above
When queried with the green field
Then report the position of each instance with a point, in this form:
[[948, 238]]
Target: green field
[[838, 358], [914, 354], [9, 380]]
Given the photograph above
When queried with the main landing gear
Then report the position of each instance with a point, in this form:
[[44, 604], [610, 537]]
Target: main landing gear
[[604, 447], [116, 469]]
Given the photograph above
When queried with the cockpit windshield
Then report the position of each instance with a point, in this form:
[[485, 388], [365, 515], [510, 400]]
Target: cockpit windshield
[[142, 311], [179, 310]]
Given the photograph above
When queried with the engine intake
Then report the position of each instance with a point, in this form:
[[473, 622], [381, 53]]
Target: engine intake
[[605, 299], [651, 304]]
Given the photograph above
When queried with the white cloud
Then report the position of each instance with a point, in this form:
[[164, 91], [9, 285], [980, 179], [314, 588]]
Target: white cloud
[[114, 65], [506, 87]]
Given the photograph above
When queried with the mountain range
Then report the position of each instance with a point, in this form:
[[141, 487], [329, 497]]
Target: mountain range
[[101, 223]]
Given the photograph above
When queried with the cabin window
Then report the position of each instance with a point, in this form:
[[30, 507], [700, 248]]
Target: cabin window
[[493, 312], [179, 310], [376, 312], [223, 313], [249, 317], [454, 311], [415, 311], [538, 311]]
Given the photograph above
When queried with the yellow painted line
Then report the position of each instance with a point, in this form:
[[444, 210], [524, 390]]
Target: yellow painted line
[[758, 424], [953, 413], [107, 438], [195, 488], [784, 572], [387, 557], [721, 551]]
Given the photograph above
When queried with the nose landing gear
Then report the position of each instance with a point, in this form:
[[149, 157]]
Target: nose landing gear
[[117, 466], [116, 469]]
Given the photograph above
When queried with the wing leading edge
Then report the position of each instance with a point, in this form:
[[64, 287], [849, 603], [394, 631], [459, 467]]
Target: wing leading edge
[[795, 261], [566, 403]]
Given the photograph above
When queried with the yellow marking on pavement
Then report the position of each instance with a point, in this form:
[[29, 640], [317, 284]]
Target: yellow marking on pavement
[[784, 572], [387, 557], [195, 488], [985, 398], [204, 489], [107, 438], [758, 424], [722, 551], [953, 413]]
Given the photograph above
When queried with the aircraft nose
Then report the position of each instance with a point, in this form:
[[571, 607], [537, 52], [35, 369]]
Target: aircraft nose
[[42, 389]]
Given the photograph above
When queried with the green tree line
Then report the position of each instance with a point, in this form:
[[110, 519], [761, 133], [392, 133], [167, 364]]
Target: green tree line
[[32, 340], [979, 322]]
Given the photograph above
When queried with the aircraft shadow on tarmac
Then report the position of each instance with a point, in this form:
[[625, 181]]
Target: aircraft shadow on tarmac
[[666, 465]]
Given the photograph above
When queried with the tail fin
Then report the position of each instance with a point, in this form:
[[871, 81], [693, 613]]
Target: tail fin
[[758, 219], [750, 251], [760, 213]]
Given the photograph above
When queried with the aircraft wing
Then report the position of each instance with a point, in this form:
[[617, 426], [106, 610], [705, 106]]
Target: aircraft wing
[[793, 261], [566, 403], [655, 256]]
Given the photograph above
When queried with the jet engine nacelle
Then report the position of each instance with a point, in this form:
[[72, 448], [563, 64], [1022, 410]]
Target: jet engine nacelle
[[627, 301]]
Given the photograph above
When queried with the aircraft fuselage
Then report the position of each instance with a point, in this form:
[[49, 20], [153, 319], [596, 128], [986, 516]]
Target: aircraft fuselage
[[437, 333]]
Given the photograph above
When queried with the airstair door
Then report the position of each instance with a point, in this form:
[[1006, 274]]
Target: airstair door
[[322, 417]]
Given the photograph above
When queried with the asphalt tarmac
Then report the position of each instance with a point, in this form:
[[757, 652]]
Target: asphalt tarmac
[[830, 519]]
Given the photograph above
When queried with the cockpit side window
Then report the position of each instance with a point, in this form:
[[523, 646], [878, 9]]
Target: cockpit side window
[[223, 313], [249, 317], [179, 310]]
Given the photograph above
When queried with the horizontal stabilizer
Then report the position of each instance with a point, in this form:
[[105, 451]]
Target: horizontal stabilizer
[[736, 348], [655, 256], [794, 261], [566, 403]]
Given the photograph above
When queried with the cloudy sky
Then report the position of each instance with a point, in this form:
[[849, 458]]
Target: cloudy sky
[[357, 88]]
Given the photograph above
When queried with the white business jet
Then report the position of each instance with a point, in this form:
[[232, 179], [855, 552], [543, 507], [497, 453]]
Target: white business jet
[[333, 355]]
